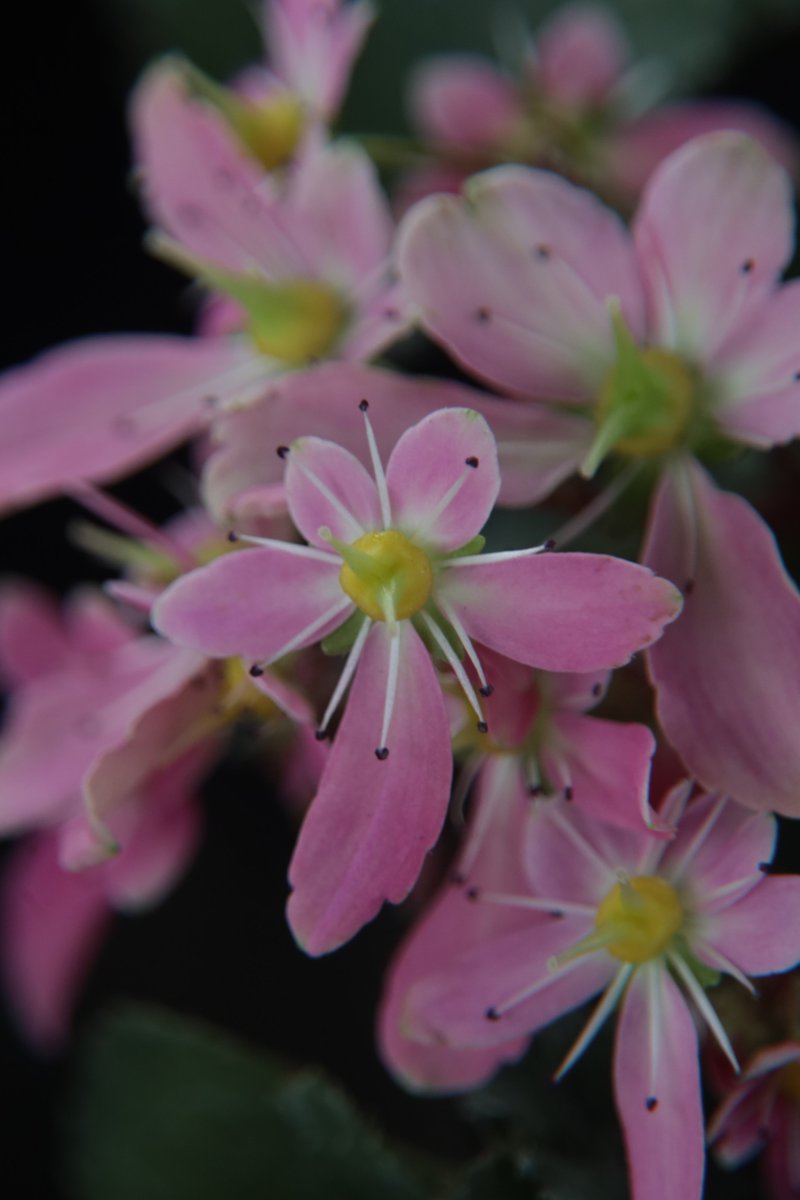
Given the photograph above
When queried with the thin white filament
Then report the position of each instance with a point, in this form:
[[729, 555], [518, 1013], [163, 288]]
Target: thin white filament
[[391, 688], [379, 473], [456, 666], [332, 499], [298, 548], [699, 839], [598, 1018], [463, 637], [539, 904], [577, 839], [341, 606], [470, 560], [706, 1009], [347, 673]]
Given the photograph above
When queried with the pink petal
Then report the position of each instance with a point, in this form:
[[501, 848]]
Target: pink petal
[[713, 234], [53, 923], [96, 627], [761, 932], [781, 1158], [609, 765], [639, 146], [313, 45], [452, 448], [514, 280], [101, 407], [371, 824], [449, 926], [560, 612], [254, 602], [581, 53], [463, 100], [656, 1059], [757, 374], [737, 1127], [32, 640], [728, 671], [326, 486]]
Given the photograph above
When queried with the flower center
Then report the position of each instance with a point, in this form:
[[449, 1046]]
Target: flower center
[[386, 575], [270, 129], [297, 320], [640, 917]]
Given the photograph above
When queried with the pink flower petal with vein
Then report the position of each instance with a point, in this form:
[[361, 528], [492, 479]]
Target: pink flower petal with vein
[[371, 824], [656, 1059], [313, 44], [728, 672], [345, 500], [32, 640], [560, 612], [254, 602], [713, 233], [581, 53], [761, 932], [98, 408], [448, 450], [463, 100], [609, 764]]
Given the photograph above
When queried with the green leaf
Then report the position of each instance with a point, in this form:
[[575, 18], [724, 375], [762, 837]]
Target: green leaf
[[165, 1109]]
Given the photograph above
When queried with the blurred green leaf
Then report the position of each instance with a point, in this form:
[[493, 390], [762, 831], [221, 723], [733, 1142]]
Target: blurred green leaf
[[165, 1109]]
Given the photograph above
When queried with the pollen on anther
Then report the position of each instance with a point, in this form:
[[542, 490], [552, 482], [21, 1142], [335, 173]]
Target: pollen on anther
[[486, 690], [233, 535], [472, 893], [549, 544], [569, 793], [597, 689], [535, 789], [472, 461], [796, 377], [651, 1103], [382, 753], [542, 251], [492, 1014], [483, 314], [483, 727], [256, 670], [363, 406], [282, 451], [747, 266], [688, 587]]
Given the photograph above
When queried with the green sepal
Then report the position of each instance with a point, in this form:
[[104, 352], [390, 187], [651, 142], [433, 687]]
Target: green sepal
[[340, 641], [473, 546]]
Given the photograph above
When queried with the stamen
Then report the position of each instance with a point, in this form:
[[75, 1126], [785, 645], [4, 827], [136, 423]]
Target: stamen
[[746, 882], [723, 963], [452, 617], [593, 1026], [537, 903], [346, 675], [299, 548], [377, 468], [679, 869], [382, 751], [706, 1009], [129, 522], [503, 555], [457, 668], [333, 500], [597, 507], [498, 1010], [433, 514], [341, 606], [578, 840], [652, 979]]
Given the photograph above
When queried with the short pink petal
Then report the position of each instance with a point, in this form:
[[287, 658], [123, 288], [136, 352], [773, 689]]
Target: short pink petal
[[581, 53], [571, 856], [761, 932], [639, 146], [560, 612], [757, 374], [781, 1158], [372, 822], [735, 842], [327, 487], [728, 672], [313, 45], [656, 1060], [463, 100], [253, 603], [609, 766], [32, 640], [450, 453], [514, 279], [101, 407], [95, 627], [452, 923], [52, 924], [737, 1127], [713, 233]]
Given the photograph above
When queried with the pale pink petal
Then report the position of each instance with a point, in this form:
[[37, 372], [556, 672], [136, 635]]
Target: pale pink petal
[[571, 856], [728, 672], [757, 374], [52, 924], [579, 691], [761, 932], [560, 612], [101, 407], [782, 1153], [639, 146], [327, 487], [443, 479], [713, 234], [452, 923], [719, 842], [514, 279], [201, 186], [313, 45], [656, 1061], [609, 767], [581, 53], [95, 627], [372, 822], [289, 699], [255, 602], [32, 640], [737, 1128], [464, 101]]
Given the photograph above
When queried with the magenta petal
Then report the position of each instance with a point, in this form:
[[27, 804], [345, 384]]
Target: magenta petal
[[52, 925], [712, 235], [326, 486], [735, 841], [372, 822], [581, 53], [32, 640], [656, 1061], [728, 672], [761, 932], [98, 408], [255, 602], [463, 100], [560, 612], [450, 453], [313, 44], [609, 767]]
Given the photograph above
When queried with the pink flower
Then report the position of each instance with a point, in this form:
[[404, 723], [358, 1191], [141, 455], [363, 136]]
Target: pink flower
[[636, 917], [394, 561], [681, 339]]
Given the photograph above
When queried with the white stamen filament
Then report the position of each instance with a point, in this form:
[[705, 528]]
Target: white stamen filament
[[670, 814], [346, 675], [705, 1008], [596, 508], [553, 975], [341, 606], [703, 903], [568, 828], [378, 472], [432, 515], [470, 560], [598, 1018], [391, 688], [679, 869], [455, 665], [357, 528], [298, 548], [722, 963], [537, 903], [462, 635]]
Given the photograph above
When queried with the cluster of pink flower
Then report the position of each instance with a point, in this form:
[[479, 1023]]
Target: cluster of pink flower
[[619, 353]]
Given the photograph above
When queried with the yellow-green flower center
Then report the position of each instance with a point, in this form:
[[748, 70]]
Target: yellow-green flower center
[[651, 410], [386, 575], [297, 320], [639, 917], [270, 129]]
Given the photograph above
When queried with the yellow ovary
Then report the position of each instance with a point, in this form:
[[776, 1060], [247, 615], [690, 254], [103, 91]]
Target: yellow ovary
[[386, 575], [639, 917]]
